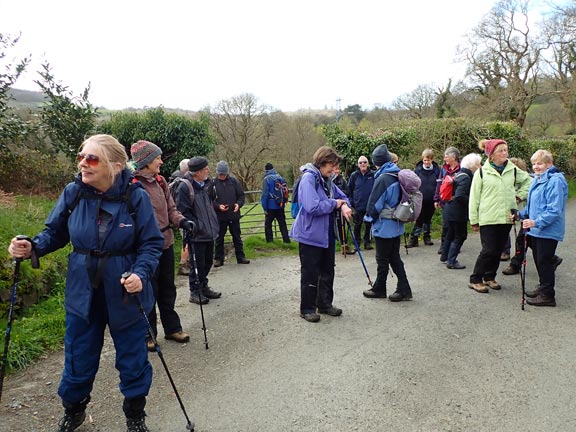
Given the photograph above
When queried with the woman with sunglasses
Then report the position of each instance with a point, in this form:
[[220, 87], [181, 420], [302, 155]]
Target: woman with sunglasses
[[113, 230]]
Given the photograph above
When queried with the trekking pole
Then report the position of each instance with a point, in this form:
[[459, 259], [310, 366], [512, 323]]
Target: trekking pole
[[514, 212], [193, 255], [17, 262], [523, 270], [343, 234], [359, 254], [136, 297]]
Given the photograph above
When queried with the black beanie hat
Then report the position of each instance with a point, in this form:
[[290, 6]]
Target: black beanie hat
[[197, 163], [381, 155], [268, 166]]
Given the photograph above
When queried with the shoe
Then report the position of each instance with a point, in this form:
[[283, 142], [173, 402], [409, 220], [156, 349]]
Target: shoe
[[443, 259], [533, 293], [368, 246], [150, 345], [195, 298], [504, 256], [310, 317], [456, 266], [136, 425], [208, 293], [556, 261], [439, 250], [350, 252], [413, 242], [183, 269], [397, 296], [374, 294], [332, 311], [541, 301], [428, 241], [71, 422], [492, 284], [218, 263], [178, 336], [479, 287], [243, 261], [511, 270]]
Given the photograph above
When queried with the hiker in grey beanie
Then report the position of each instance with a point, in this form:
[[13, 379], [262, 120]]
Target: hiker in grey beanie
[[222, 168], [381, 155]]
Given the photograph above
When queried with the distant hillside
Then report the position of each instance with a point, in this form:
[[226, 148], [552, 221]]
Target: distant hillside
[[25, 98]]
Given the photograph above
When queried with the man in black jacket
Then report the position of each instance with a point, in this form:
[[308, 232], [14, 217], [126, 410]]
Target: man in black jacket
[[228, 197], [193, 202]]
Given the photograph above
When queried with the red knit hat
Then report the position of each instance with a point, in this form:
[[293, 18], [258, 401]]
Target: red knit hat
[[490, 145]]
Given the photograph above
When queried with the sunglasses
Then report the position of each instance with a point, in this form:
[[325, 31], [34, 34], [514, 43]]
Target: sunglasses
[[91, 160], [362, 162]]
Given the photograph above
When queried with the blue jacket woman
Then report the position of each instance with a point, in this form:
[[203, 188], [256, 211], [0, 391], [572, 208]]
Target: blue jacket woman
[[386, 194], [544, 218], [315, 230], [110, 222]]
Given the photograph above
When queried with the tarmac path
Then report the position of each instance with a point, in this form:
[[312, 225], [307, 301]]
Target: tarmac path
[[450, 360]]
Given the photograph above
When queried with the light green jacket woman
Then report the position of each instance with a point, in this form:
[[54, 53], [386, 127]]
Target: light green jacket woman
[[492, 195]]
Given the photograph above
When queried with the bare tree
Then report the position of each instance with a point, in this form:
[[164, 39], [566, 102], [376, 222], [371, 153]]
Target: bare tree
[[504, 60], [418, 103], [243, 129], [560, 30]]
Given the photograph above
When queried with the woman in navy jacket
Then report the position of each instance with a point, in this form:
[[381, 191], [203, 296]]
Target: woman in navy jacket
[[110, 222]]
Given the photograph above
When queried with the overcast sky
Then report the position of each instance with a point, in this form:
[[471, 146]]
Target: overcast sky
[[291, 55]]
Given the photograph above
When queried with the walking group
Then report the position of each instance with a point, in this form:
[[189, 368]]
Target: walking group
[[118, 216], [490, 196]]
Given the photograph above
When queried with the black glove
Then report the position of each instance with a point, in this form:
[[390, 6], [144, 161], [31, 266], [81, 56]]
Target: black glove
[[188, 225]]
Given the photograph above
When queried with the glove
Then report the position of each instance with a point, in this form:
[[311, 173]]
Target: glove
[[188, 225]]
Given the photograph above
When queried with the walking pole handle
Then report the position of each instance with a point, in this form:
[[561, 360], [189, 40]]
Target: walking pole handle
[[33, 255]]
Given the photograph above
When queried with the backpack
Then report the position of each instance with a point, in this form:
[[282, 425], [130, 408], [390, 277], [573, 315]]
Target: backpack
[[280, 192], [447, 186], [410, 205], [295, 206], [175, 184]]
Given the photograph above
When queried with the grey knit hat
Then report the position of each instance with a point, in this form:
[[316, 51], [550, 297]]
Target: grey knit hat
[[381, 155], [144, 152], [222, 168]]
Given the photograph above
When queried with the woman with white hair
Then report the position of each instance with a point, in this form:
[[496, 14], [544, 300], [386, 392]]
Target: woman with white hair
[[455, 213]]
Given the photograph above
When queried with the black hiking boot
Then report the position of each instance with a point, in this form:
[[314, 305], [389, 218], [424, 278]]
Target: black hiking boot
[[195, 297], [511, 270], [398, 296], [71, 422], [371, 293], [208, 293], [533, 293], [556, 261], [542, 301], [413, 242], [428, 241], [136, 425]]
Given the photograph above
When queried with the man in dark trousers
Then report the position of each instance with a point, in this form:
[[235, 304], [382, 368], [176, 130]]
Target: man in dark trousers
[[228, 196], [195, 204], [272, 209], [360, 185]]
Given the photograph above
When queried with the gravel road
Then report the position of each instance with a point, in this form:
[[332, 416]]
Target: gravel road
[[450, 360]]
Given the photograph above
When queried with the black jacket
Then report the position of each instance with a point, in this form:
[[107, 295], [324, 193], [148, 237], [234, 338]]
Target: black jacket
[[456, 210], [428, 177], [228, 191]]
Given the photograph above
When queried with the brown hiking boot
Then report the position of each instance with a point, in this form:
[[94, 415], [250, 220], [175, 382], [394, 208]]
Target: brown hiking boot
[[511, 270], [184, 269], [479, 287], [492, 284], [504, 256], [179, 337]]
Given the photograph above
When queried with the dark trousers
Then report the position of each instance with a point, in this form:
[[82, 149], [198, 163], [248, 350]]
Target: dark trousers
[[83, 342], [316, 277], [280, 217], [234, 226], [358, 221], [544, 251], [520, 245], [204, 253], [424, 220], [165, 294], [456, 235], [388, 255], [493, 239]]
